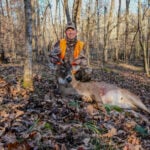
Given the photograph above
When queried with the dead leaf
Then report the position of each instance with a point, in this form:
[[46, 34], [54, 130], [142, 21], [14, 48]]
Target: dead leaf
[[18, 113], [19, 146], [90, 109], [9, 138], [1, 146], [130, 146], [86, 141], [133, 140], [57, 147], [130, 124], [111, 132], [4, 114], [81, 148], [2, 130], [63, 147]]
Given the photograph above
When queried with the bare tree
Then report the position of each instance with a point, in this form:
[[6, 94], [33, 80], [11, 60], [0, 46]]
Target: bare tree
[[143, 37], [1, 6], [56, 10], [76, 11], [2, 54], [12, 36], [51, 16], [127, 30], [34, 29], [108, 32], [38, 39], [148, 37], [27, 80], [88, 28], [118, 30], [67, 10]]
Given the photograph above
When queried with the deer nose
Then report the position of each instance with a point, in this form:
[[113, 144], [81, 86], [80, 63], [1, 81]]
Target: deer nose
[[68, 79]]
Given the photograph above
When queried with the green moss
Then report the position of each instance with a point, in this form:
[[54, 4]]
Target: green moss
[[107, 69], [27, 84]]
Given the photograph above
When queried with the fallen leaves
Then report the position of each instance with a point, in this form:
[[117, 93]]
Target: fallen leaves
[[132, 147], [19, 146], [130, 124], [111, 133], [43, 120], [133, 143]]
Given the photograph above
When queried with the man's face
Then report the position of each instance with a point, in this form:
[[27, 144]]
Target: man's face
[[71, 33]]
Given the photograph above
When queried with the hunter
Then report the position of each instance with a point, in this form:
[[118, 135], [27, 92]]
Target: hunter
[[72, 51]]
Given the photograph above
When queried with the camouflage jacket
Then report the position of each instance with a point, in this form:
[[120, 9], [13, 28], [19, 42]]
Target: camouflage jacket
[[79, 64]]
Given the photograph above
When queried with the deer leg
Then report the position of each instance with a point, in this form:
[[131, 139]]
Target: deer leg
[[87, 98]]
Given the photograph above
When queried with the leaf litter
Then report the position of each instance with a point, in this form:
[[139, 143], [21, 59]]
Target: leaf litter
[[44, 120]]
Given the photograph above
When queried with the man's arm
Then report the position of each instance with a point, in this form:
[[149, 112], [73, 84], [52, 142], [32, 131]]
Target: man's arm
[[55, 54], [83, 72]]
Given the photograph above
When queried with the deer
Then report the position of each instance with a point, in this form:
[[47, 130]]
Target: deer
[[101, 92]]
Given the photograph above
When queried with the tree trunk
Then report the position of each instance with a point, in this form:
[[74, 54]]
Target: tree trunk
[[1, 6], [148, 37], [11, 34], [67, 10], [27, 80], [34, 31], [126, 52], [76, 11], [108, 32], [118, 30], [143, 38], [39, 39], [1, 16]]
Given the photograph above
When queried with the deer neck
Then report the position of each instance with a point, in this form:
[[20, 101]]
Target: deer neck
[[74, 82]]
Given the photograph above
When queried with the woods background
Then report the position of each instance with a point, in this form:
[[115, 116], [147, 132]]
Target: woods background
[[35, 115], [114, 30]]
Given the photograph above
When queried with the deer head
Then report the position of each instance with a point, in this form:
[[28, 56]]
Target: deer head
[[64, 76]]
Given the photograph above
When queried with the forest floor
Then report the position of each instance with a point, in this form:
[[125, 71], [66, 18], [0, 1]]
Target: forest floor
[[43, 120]]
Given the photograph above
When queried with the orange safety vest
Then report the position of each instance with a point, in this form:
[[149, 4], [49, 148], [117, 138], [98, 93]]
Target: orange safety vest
[[63, 46]]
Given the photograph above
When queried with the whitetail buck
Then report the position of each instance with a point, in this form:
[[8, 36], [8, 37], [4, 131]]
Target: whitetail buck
[[101, 92]]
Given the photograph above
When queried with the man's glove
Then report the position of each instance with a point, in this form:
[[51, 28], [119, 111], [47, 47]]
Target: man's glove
[[82, 75], [52, 66]]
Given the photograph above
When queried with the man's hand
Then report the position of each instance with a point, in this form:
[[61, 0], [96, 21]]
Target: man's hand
[[80, 61], [52, 66], [55, 55], [54, 59]]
